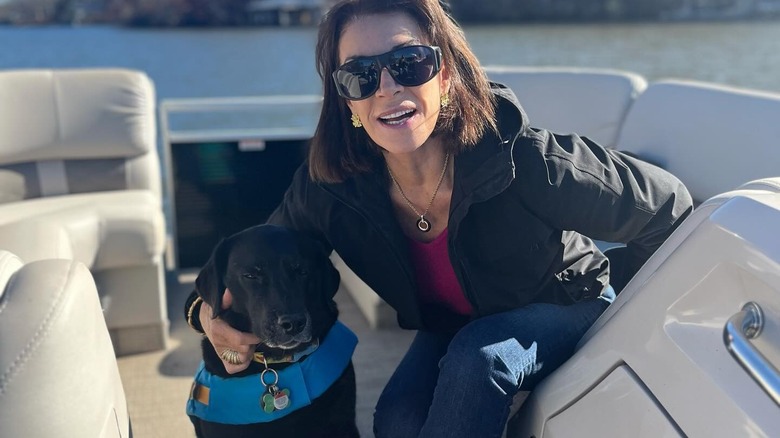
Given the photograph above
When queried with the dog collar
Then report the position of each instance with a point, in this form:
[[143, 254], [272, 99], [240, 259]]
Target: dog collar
[[241, 400], [295, 357]]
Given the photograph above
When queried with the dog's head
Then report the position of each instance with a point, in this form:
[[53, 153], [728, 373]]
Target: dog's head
[[282, 285]]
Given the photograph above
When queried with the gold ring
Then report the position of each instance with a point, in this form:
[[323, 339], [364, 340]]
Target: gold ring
[[232, 357]]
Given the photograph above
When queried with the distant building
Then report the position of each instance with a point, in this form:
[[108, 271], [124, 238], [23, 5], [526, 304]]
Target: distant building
[[285, 12]]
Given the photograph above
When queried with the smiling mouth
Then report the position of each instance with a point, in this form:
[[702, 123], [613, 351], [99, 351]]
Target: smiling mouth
[[397, 118]]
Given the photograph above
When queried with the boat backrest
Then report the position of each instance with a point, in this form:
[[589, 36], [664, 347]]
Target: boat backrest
[[76, 131], [589, 102], [714, 138]]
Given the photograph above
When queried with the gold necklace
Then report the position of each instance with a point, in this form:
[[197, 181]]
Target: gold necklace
[[423, 224]]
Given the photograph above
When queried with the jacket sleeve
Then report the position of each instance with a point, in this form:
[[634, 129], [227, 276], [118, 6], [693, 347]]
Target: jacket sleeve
[[576, 184]]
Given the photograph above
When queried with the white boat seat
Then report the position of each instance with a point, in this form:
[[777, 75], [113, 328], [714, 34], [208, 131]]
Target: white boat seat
[[58, 373], [587, 101], [702, 133], [80, 179]]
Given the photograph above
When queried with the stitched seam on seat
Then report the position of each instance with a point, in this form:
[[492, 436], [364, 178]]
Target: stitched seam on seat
[[43, 329], [4, 299], [6, 296]]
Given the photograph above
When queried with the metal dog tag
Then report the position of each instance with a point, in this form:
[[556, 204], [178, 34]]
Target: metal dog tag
[[275, 399]]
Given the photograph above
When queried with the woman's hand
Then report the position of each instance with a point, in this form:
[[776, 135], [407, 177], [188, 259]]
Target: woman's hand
[[224, 337]]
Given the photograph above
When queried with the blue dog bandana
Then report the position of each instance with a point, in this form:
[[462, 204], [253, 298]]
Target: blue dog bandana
[[237, 400]]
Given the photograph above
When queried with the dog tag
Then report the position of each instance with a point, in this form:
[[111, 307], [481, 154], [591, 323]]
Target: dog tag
[[275, 399]]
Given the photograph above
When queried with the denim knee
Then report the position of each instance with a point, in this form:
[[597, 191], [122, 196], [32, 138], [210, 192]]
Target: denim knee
[[476, 358], [396, 419]]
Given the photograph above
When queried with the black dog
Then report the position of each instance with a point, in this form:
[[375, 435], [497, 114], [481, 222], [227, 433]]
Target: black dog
[[282, 284]]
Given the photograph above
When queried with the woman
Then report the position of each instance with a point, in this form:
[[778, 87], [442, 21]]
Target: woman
[[432, 187]]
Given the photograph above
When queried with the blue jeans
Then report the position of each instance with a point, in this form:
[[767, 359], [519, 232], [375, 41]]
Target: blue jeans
[[462, 385]]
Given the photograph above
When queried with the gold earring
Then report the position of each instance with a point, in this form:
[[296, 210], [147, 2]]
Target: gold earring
[[445, 100], [356, 121]]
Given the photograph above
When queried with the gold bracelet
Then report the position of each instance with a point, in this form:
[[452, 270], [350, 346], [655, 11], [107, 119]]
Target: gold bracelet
[[197, 301]]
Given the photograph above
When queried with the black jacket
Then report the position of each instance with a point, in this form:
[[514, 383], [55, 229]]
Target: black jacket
[[522, 204]]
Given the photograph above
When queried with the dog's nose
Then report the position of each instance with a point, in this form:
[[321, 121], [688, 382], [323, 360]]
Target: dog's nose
[[292, 324]]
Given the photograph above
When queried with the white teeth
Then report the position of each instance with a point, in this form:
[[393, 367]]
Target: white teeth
[[398, 114]]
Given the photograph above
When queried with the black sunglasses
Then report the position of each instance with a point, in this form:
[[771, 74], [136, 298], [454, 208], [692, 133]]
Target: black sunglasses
[[409, 66]]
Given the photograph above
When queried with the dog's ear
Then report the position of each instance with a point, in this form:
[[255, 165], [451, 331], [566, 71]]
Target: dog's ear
[[210, 284]]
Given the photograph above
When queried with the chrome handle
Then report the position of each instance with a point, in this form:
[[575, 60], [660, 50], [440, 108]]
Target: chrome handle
[[739, 330]]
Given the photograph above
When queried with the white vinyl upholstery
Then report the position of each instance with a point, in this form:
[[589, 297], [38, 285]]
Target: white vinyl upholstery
[[80, 179], [58, 373], [590, 102], [714, 138], [105, 229], [657, 359]]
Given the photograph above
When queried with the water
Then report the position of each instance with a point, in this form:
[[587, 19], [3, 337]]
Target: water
[[260, 61]]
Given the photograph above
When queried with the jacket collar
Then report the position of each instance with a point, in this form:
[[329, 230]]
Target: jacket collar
[[488, 168]]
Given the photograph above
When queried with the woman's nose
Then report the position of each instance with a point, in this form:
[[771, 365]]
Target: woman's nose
[[387, 84]]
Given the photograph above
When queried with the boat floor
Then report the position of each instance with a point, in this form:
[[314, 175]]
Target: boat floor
[[157, 384]]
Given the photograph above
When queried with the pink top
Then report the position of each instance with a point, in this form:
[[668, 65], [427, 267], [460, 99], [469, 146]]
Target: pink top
[[435, 277]]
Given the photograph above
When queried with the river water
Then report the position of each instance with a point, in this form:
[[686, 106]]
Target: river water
[[259, 61]]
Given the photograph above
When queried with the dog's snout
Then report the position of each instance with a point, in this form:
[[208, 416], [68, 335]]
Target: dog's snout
[[292, 324]]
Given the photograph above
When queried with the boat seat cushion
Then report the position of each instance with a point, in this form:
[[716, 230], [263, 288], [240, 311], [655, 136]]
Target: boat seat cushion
[[714, 138], [102, 230], [589, 102]]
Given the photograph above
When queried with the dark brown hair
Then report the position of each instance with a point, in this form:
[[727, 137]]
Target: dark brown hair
[[338, 150]]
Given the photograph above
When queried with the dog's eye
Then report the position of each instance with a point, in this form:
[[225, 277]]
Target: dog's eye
[[254, 273]]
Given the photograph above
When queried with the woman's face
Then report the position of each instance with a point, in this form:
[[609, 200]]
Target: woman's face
[[399, 119]]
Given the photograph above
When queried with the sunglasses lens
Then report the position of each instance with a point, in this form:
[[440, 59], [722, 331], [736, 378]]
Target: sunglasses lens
[[357, 79], [409, 66], [413, 66]]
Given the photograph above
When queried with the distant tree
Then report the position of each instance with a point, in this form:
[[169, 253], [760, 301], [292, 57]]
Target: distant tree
[[32, 11], [563, 10], [179, 12], [216, 12]]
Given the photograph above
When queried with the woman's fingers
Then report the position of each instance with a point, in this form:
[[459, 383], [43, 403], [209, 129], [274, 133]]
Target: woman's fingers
[[235, 348]]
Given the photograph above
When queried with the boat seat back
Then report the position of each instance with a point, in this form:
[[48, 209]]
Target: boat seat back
[[589, 102], [58, 374], [76, 131], [714, 138]]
